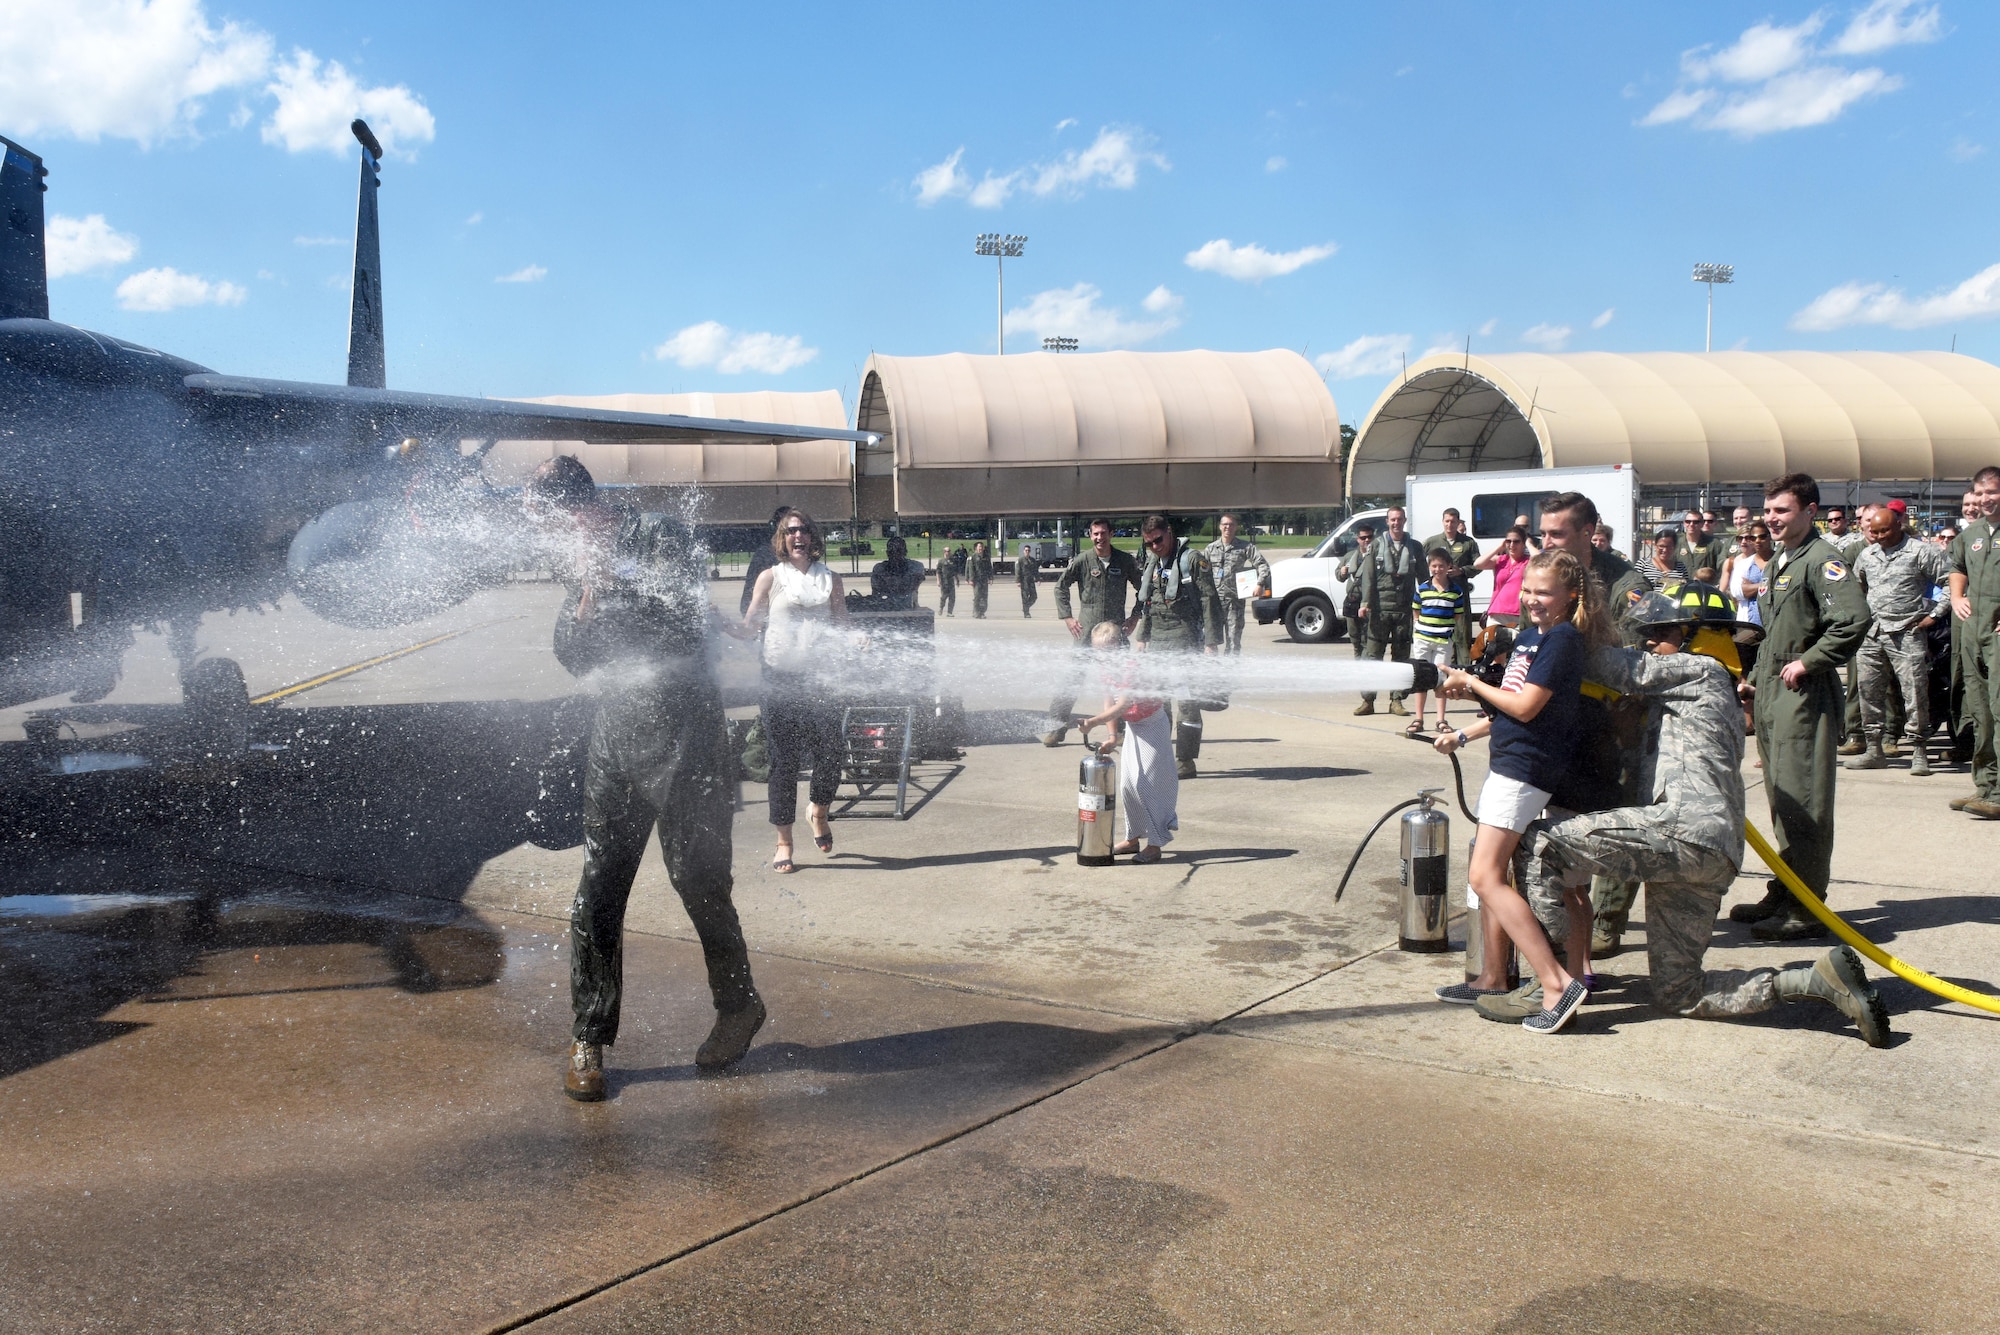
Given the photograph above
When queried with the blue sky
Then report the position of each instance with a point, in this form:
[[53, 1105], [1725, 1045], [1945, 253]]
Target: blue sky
[[736, 197]]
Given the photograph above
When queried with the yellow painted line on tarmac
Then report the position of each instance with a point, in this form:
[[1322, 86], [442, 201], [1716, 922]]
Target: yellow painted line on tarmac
[[298, 687]]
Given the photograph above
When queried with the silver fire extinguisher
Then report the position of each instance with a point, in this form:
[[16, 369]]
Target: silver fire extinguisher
[[1475, 934], [1424, 919], [1096, 806]]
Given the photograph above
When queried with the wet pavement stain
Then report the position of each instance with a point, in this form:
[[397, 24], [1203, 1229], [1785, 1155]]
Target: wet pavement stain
[[1615, 1305]]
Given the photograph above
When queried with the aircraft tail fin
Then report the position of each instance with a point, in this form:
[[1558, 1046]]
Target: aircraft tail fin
[[367, 364], [24, 267]]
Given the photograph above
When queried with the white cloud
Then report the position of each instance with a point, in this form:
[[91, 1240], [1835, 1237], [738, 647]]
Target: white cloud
[[943, 180], [1371, 354], [1547, 337], [1604, 318], [1112, 161], [1275, 163], [1486, 330], [711, 345], [528, 273], [319, 240], [1065, 123], [169, 289], [78, 245], [1964, 150], [1076, 313], [1253, 263], [1785, 80], [123, 68], [1888, 23], [316, 103], [1762, 52], [1978, 297], [475, 218]]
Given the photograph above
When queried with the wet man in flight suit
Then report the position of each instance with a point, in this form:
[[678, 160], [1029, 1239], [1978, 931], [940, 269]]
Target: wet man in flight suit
[[1102, 577], [1685, 840], [1178, 613], [1229, 556], [1815, 618], [637, 618], [1388, 591], [1974, 582], [979, 569]]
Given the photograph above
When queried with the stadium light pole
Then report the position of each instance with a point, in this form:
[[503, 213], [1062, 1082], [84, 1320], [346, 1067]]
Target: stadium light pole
[[1058, 343], [1001, 248], [1712, 274]]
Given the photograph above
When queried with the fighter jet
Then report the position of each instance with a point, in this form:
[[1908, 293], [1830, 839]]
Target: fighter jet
[[137, 488]]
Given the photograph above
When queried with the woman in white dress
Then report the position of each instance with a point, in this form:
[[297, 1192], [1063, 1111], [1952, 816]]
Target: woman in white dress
[[794, 603]]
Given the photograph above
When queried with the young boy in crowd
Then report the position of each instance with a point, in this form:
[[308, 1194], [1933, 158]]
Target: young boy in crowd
[[1437, 607]]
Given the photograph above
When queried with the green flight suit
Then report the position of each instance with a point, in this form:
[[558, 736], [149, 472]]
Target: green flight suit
[[1028, 576], [1814, 613], [1102, 585], [979, 569], [1390, 573], [1464, 553], [1975, 554], [1179, 612]]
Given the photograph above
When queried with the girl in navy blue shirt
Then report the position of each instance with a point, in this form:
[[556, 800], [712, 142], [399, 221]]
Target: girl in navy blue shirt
[[1534, 724]]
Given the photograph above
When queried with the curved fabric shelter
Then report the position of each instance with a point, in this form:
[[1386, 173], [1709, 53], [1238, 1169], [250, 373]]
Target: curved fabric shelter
[[1073, 433], [741, 483], [1686, 418]]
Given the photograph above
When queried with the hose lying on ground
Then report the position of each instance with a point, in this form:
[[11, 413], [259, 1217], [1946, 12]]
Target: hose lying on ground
[[1907, 972]]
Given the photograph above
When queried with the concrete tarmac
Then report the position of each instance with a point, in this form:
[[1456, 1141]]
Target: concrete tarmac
[[280, 1049]]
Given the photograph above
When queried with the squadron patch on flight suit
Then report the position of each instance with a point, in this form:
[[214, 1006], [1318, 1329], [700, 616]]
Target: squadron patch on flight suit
[[1978, 544], [1834, 571]]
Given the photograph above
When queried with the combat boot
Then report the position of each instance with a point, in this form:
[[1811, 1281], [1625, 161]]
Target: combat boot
[[1396, 707], [1982, 808], [583, 1079], [1871, 756], [1607, 936], [1054, 736], [1920, 762], [1775, 899], [1364, 709], [730, 1038], [1960, 803], [1853, 746], [1794, 924], [1512, 1007], [1185, 769], [1839, 980]]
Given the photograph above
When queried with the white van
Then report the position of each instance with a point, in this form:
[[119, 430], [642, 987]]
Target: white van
[[1308, 598]]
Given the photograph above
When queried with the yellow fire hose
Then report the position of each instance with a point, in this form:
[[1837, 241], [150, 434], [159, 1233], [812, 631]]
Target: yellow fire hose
[[1790, 880]]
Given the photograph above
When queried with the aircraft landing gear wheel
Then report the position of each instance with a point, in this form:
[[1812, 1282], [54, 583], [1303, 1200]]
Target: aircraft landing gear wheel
[[1309, 620], [216, 704]]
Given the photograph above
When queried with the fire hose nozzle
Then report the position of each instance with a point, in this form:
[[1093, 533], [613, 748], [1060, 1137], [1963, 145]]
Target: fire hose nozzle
[[1424, 676]]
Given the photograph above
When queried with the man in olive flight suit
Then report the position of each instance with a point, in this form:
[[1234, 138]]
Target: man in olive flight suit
[[637, 616], [1974, 582], [1028, 575], [1102, 577], [979, 569], [1178, 613], [1815, 618], [1388, 591], [1229, 556]]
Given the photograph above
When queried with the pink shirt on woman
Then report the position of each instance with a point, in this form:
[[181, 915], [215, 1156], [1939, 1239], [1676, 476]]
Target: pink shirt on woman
[[1507, 573]]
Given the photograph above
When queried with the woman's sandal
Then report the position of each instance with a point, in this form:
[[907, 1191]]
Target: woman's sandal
[[1416, 729], [824, 842], [1125, 848], [782, 865]]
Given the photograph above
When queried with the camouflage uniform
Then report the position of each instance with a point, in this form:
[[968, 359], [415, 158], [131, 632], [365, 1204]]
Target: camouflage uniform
[[1686, 843], [1101, 585], [1228, 560], [1850, 545], [1179, 613], [1896, 655]]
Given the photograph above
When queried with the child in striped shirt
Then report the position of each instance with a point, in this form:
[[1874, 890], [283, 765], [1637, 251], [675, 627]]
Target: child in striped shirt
[[1437, 605]]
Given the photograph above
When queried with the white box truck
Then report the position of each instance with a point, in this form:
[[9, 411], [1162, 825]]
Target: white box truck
[[1308, 598]]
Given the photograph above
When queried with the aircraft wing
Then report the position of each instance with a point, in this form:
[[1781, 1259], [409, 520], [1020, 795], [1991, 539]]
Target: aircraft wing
[[300, 405]]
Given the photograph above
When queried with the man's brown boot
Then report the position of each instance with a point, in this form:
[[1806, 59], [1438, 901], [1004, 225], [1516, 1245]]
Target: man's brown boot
[[730, 1038], [1775, 901], [1871, 758], [1364, 709], [1396, 707], [1853, 746], [584, 1078], [1960, 803], [1982, 808]]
